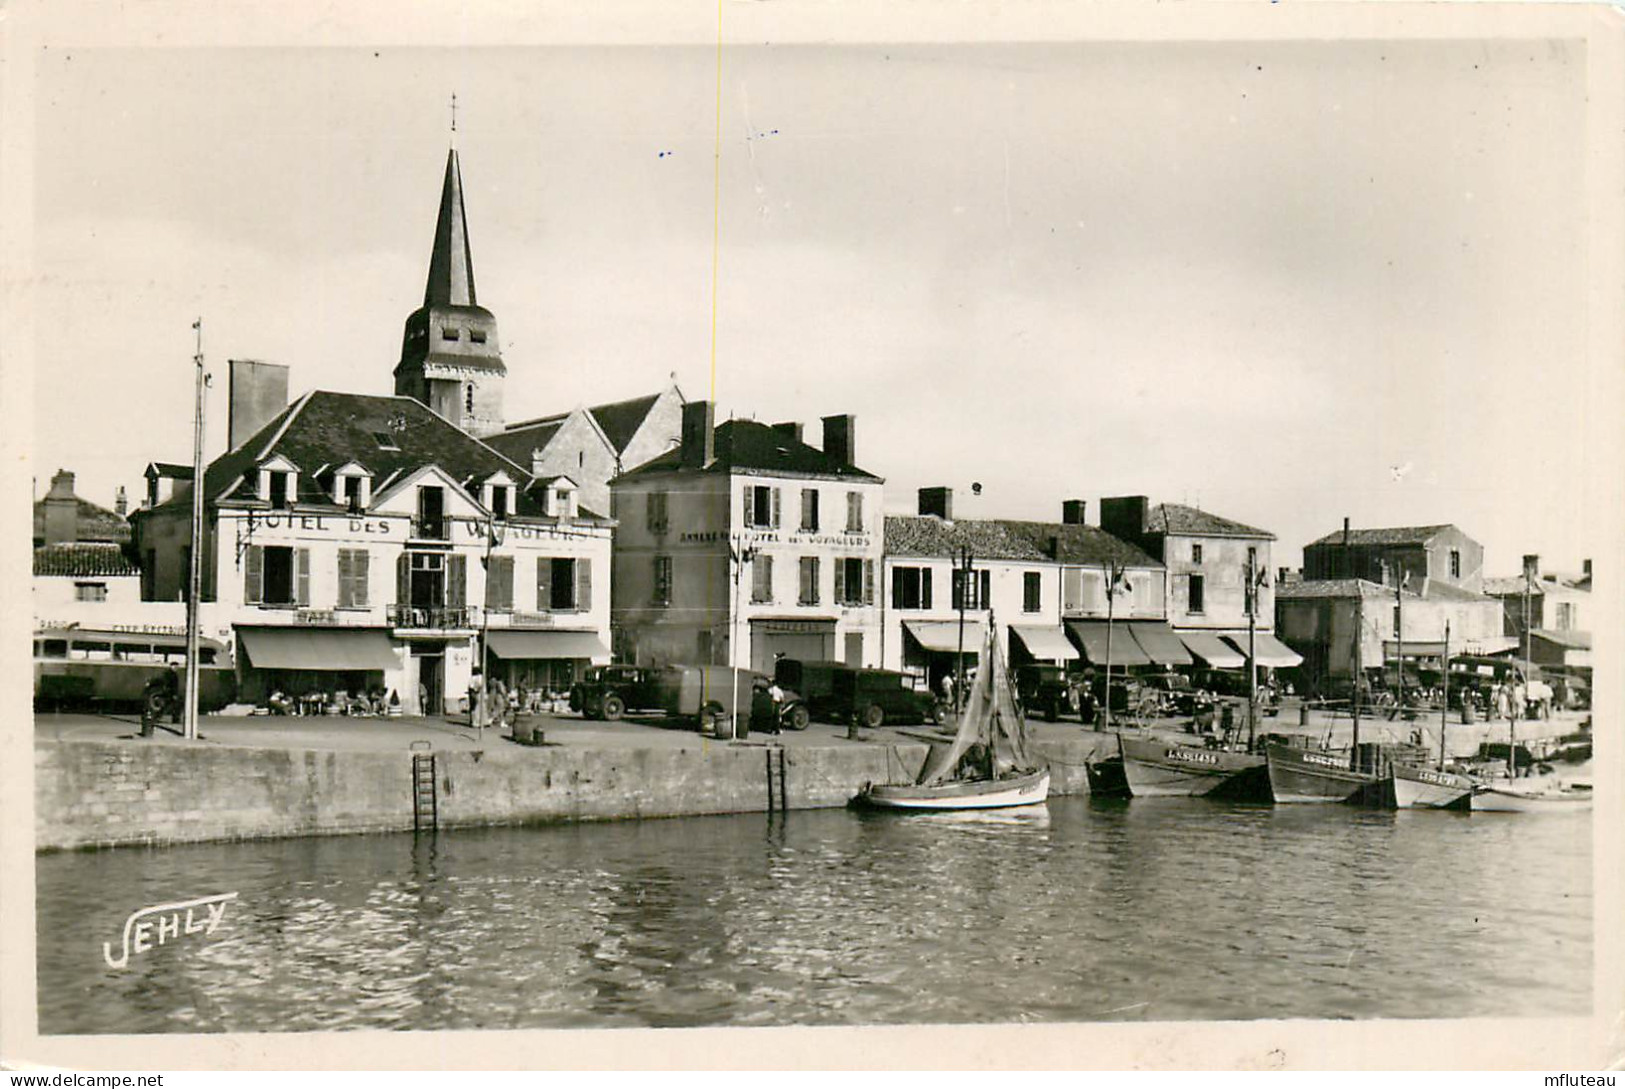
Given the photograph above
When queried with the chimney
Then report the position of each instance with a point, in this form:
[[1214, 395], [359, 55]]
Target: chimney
[[789, 430], [1072, 511], [1124, 517], [1586, 565], [1281, 574], [1346, 533], [937, 501], [839, 444], [121, 502], [61, 510], [1531, 565], [258, 391], [699, 434]]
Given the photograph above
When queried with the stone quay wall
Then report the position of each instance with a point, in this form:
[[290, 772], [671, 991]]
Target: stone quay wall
[[111, 793]]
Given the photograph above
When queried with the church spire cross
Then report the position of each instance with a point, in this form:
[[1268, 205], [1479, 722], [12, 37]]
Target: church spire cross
[[454, 119]]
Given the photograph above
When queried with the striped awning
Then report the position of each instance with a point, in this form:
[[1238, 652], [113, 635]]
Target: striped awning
[[1091, 636], [1159, 642], [318, 649], [1211, 649], [546, 644], [1270, 652], [1046, 644]]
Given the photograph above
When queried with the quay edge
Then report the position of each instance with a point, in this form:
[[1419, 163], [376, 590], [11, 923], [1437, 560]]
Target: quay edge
[[92, 794]]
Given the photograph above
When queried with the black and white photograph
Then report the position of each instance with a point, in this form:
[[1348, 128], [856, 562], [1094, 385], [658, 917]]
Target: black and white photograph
[[1029, 535]]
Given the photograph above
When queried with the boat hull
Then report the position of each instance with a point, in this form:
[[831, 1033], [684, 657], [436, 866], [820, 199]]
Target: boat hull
[[1106, 778], [1511, 799], [1029, 789], [1304, 776], [1424, 788], [1163, 769]]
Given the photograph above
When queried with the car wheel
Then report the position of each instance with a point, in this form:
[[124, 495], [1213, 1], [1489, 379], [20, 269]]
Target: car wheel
[[1052, 709], [798, 718], [614, 707], [938, 713], [873, 716]]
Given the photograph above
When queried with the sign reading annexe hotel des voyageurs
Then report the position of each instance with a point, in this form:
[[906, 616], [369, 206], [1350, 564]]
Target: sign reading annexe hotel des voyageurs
[[749, 538], [344, 526]]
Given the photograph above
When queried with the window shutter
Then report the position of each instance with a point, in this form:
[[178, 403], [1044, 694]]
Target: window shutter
[[775, 519], [544, 584], [493, 581], [925, 588], [897, 587], [360, 561], [584, 585], [302, 557], [986, 590], [344, 578], [840, 582], [254, 576], [456, 581], [868, 582], [403, 579], [748, 512], [958, 596], [650, 514]]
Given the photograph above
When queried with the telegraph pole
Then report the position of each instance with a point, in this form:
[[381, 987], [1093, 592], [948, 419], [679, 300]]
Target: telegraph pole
[[195, 554], [1256, 579], [966, 575]]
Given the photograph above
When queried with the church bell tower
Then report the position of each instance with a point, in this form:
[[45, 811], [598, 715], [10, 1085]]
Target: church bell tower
[[450, 357]]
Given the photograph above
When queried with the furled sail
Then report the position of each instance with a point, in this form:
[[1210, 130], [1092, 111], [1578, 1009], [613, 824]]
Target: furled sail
[[989, 717]]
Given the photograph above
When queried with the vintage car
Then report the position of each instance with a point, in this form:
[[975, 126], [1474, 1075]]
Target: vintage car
[[1049, 690], [874, 697], [608, 692]]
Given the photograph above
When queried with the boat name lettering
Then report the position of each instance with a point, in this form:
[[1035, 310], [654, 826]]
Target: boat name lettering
[[1192, 757], [1323, 761]]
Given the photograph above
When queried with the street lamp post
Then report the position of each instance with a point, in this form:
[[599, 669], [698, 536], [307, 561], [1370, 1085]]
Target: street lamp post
[[493, 537], [741, 555], [194, 565]]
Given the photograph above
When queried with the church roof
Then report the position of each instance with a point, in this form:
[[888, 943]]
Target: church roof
[[451, 265], [620, 422]]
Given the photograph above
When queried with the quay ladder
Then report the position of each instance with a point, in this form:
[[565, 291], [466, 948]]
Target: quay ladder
[[425, 796], [777, 794]]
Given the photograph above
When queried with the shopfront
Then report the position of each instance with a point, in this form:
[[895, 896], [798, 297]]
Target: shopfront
[[543, 661], [307, 662]]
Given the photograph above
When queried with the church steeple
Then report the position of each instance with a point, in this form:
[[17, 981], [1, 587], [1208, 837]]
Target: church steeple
[[451, 264], [450, 356]]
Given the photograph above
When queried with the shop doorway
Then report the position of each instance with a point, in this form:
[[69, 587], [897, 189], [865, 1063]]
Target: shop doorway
[[429, 663]]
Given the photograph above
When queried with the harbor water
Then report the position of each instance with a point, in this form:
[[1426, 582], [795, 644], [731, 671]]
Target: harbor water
[[1080, 910]]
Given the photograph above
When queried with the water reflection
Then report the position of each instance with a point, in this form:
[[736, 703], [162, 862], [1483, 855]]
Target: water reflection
[[1161, 908]]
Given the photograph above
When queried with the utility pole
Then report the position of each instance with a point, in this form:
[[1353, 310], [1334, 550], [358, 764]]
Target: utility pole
[[741, 555], [1444, 713], [1399, 640], [1359, 671], [195, 553]]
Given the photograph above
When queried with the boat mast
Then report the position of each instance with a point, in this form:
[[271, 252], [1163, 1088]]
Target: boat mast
[[1359, 635], [1252, 655], [1444, 710], [1399, 639]]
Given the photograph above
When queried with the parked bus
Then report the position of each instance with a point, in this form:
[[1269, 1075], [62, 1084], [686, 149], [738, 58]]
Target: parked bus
[[105, 669]]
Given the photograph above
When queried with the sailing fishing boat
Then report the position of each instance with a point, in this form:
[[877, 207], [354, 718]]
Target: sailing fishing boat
[[989, 763], [1418, 787], [1514, 795]]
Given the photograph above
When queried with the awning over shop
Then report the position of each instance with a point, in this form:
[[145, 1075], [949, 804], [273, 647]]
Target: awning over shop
[[318, 649], [942, 636], [1091, 634], [1046, 644], [512, 644], [1269, 651], [1159, 642], [1211, 649]]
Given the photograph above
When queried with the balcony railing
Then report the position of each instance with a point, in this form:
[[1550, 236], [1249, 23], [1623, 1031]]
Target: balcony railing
[[433, 617], [431, 529]]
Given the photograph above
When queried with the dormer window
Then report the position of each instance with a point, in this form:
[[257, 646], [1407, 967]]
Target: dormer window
[[498, 495], [477, 336], [499, 502], [559, 501], [278, 483]]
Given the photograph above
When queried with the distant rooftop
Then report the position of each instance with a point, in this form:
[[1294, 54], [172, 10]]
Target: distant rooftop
[[83, 559], [749, 445], [1397, 535], [1176, 518]]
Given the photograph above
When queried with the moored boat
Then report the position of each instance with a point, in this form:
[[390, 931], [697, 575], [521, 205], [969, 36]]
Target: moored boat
[[1309, 775], [1530, 796], [988, 763], [1155, 768], [1428, 788], [1106, 778]]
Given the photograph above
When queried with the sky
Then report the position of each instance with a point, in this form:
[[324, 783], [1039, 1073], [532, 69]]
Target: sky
[[1287, 282]]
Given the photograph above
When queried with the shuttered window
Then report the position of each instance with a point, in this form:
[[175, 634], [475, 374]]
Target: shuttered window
[[809, 510], [499, 584], [854, 512], [1032, 591], [981, 586], [761, 580], [1072, 590], [254, 575], [662, 580], [583, 601], [353, 574], [654, 508], [854, 582], [911, 588], [456, 581], [809, 581]]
